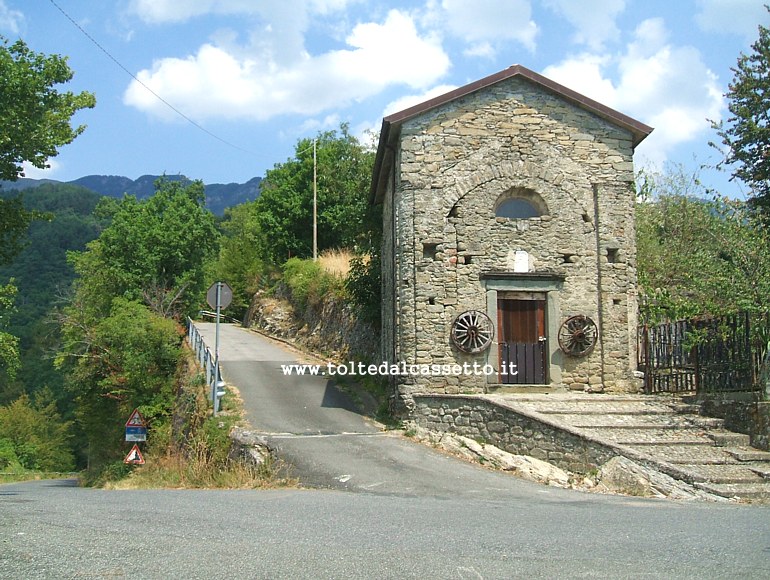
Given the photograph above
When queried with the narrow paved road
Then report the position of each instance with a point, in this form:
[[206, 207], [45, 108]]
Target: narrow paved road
[[316, 429], [418, 514]]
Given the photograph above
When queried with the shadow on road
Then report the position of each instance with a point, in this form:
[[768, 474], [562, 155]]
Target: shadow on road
[[335, 398], [62, 483]]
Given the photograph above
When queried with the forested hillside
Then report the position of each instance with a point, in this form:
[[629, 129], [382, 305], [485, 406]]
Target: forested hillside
[[43, 278]]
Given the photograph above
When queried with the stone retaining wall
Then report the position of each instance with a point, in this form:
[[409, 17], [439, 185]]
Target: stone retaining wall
[[513, 431], [330, 328]]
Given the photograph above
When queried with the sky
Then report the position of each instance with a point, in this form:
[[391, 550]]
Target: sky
[[222, 90]]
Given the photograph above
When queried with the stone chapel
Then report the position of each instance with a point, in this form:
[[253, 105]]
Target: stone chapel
[[508, 240]]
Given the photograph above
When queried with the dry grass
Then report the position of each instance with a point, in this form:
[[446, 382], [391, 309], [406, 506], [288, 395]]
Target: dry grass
[[335, 262], [203, 460], [173, 471]]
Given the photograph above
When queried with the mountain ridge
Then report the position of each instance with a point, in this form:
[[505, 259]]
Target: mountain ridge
[[219, 196]]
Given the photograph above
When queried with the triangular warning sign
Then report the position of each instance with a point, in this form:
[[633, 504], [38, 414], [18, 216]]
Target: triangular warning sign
[[136, 420], [134, 456]]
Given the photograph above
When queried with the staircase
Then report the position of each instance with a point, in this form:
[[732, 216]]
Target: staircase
[[666, 433]]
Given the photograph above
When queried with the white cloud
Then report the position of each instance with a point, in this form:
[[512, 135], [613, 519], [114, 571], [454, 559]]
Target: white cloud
[[163, 11], [166, 11], [410, 100], [732, 16], [329, 122], [593, 19], [10, 20], [665, 86], [32, 172], [482, 22], [483, 50], [218, 83]]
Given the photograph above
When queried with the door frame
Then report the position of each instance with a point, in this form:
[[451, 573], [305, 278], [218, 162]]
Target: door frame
[[547, 283], [542, 333]]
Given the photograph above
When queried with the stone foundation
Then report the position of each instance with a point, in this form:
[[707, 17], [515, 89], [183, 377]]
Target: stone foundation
[[511, 431]]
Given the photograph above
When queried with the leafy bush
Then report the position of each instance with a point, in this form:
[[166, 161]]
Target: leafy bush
[[309, 283], [8, 457], [363, 286], [33, 435], [695, 255]]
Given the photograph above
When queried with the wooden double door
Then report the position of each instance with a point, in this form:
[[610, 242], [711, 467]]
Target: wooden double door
[[523, 342]]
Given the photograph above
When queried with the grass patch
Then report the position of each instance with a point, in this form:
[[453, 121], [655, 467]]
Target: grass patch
[[335, 262], [191, 449], [309, 283], [27, 475], [203, 463]]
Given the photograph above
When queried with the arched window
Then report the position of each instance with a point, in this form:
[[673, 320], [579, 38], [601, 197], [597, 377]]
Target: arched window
[[519, 203]]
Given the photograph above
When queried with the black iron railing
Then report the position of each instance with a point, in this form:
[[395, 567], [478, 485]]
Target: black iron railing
[[705, 354]]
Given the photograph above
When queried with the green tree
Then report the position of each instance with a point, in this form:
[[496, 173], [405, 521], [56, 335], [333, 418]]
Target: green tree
[[34, 435], [43, 275], [285, 205], [120, 349], [153, 251], [242, 251], [695, 255], [746, 134], [114, 364], [9, 344], [14, 222], [35, 116], [35, 120]]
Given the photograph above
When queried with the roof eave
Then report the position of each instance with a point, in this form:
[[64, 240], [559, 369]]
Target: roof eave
[[638, 130]]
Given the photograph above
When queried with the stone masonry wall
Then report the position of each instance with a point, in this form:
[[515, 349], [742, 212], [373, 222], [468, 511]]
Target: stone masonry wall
[[454, 165], [514, 432]]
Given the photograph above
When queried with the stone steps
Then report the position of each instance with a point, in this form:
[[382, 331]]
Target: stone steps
[[650, 437], [748, 454], [639, 421], [669, 433], [723, 473], [691, 455], [724, 438], [742, 491], [761, 470]]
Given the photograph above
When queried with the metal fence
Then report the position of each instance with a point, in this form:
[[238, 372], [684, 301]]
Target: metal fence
[[705, 354], [205, 357]]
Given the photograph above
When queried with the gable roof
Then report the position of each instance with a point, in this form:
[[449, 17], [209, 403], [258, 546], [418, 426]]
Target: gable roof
[[392, 123]]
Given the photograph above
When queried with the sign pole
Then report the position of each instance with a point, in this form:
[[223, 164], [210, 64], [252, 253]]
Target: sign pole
[[218, 296], [217, 378], [315, 203]]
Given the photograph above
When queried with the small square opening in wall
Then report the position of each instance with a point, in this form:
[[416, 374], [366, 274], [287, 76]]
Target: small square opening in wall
[[469, 259], [432, 300], [617, 301], [613, 255], [429, 251]]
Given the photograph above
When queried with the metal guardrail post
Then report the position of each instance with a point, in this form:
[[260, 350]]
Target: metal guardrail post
[[205, 358]]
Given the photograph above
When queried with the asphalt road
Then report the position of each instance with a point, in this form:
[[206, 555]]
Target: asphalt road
[[51, 530], [315, 427], [390, 509]]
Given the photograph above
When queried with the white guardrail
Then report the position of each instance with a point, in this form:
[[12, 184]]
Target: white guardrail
[[208, 363]]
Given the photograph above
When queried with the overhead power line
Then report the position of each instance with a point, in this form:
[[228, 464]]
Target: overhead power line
[[153, 93]]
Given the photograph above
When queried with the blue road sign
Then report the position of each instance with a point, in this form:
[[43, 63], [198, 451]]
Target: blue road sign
[[136, 433]]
